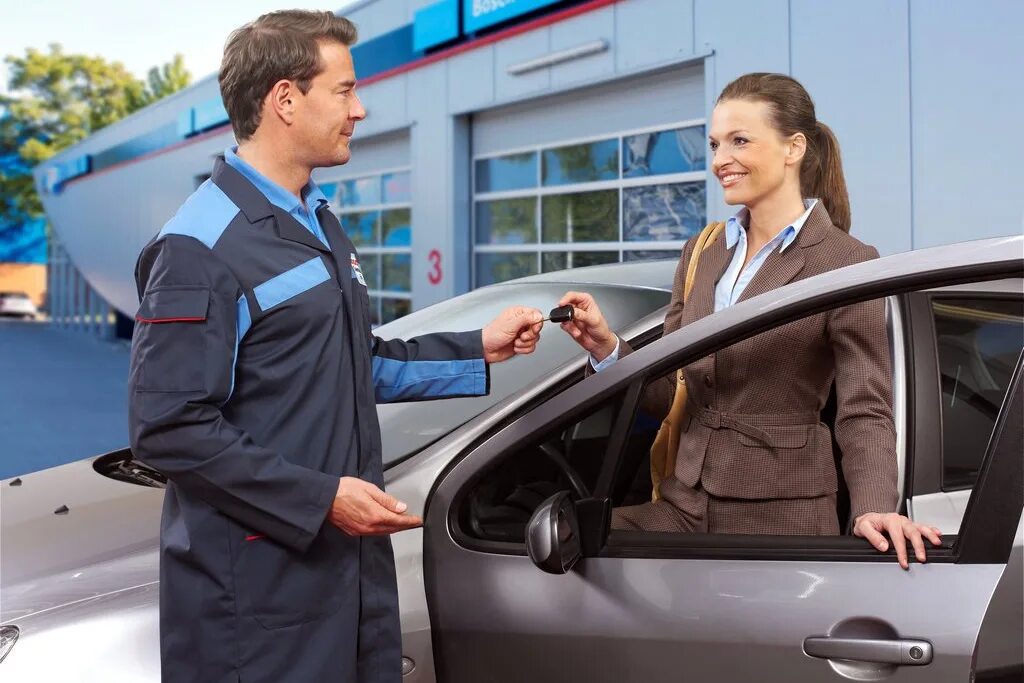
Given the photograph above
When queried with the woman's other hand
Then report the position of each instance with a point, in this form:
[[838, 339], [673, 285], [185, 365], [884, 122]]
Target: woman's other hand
[[588, 326], [870, 525]]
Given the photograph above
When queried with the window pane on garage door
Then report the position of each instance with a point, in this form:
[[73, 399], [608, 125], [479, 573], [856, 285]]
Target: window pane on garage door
[[979, 341]]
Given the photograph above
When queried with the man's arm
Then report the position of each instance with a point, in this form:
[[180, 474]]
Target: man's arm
[[452, 364], [182, 369], [432, 366]]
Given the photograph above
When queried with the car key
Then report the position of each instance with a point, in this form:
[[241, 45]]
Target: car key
[[561, 314]]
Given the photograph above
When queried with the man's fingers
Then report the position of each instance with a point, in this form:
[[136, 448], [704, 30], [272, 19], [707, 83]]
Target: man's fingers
[[523, 317], [390, 520], [386, 500], [384, 528]]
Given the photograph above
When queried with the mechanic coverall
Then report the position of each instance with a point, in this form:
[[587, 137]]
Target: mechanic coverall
[[253, 383]]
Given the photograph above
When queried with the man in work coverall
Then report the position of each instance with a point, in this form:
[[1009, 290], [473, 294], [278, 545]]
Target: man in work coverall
[[253, 383]]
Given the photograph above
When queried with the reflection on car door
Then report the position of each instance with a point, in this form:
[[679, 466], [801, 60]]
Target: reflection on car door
[[691, 607]]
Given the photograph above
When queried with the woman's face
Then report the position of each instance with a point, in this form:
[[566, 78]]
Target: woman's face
[[751, 159]]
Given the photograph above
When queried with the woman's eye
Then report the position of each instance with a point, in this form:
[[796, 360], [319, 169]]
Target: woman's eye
[[713, 146], [740, 141]]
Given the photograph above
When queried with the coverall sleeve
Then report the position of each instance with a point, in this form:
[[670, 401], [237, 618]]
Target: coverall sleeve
[[431, 366], [180, 377], [864, 427]]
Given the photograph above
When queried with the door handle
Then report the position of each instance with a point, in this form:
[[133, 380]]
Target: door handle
[[901, 652]]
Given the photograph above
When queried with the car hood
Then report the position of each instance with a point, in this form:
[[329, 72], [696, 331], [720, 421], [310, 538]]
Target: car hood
[[49, 557]]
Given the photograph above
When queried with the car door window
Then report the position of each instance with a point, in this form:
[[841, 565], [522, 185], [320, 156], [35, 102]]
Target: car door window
[[499, 503], [978, 341]]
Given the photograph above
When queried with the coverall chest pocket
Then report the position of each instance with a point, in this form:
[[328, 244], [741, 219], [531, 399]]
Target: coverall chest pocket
[[291, 304], [284, 588]]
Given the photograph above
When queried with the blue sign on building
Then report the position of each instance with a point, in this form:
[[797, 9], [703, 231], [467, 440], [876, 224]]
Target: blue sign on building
[[478, 14], [435, 24]]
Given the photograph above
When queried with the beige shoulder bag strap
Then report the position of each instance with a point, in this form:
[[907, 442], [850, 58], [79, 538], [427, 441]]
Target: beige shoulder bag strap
[[666, 443]]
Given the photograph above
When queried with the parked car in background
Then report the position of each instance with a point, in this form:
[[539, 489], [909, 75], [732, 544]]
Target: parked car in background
[[515, 575], [17, 305]]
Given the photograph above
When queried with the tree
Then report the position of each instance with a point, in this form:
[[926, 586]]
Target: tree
[[62, 99], [169, 78]]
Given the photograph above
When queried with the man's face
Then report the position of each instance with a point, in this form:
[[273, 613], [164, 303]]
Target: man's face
[[325, 117]]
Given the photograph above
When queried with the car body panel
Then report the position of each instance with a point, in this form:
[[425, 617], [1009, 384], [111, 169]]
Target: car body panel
[[496, 617]]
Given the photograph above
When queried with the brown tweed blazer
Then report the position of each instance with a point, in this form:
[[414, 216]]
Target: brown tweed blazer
[[753, 429]]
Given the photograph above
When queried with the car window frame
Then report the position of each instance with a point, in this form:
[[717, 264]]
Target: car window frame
[[962, 293], [630, 374], [925, 437]]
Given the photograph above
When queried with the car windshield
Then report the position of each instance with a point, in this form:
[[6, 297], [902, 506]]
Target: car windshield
[[409, 427]]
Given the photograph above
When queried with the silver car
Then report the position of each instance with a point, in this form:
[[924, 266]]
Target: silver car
[[515, 575]]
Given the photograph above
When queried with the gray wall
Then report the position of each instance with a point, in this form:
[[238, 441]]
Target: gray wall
[[924, 96]]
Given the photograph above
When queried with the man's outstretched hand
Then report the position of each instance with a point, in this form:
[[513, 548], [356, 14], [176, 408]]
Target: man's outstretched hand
[[514, 332], [362, 509]]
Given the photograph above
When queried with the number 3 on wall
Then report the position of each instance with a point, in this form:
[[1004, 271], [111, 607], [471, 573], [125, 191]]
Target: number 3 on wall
[[436, 274]]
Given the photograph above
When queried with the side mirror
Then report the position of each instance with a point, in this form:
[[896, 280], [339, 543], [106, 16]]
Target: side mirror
[[553, 535]]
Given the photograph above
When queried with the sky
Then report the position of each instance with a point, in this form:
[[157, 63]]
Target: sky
[[138, 33]]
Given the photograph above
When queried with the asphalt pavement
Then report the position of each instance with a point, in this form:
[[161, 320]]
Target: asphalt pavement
[[63, 396]]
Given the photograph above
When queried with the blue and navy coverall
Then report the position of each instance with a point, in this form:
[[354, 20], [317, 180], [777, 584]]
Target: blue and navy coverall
[[253, 383]]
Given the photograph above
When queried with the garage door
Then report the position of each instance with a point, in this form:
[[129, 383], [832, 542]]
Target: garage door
[[613, 173]]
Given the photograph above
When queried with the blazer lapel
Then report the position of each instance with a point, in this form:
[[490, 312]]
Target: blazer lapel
[[777, 270], [781, 268]]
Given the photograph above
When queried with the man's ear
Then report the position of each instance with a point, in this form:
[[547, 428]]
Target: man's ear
[[796, 148], [281, 101]]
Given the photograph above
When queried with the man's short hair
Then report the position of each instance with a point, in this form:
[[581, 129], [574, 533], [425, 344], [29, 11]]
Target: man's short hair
[[277, 46]]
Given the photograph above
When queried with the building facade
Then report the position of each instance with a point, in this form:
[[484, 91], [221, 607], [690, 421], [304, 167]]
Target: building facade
[[509, 137]]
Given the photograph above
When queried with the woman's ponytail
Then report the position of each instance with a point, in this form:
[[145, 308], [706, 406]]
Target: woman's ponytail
[[821, 176]]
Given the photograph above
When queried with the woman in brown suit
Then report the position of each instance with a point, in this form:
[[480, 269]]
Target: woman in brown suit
[[753, 456]]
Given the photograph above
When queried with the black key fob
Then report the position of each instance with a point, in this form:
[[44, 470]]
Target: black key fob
[[561, 314]]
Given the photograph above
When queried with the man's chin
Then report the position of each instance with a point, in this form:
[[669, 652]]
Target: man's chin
[[342, 156], [335, 158]]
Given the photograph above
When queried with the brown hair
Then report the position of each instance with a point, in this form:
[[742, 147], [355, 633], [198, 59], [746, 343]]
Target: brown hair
[[791, 111], [279, 45]]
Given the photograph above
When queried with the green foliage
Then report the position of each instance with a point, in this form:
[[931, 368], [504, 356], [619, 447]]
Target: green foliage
[[59, 99]]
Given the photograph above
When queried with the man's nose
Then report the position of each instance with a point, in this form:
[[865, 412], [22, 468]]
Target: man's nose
[[358, 112]]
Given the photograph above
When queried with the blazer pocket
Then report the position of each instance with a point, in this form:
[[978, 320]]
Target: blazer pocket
[[778, 437]]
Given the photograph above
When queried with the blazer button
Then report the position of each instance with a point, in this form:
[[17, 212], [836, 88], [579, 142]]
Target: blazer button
[[707, 381]]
